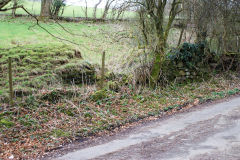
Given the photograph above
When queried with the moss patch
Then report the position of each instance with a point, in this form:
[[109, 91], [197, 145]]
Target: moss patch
[[7, 123], [99, 95], [77, 73]]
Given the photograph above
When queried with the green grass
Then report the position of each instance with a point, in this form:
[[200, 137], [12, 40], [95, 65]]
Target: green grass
[[17, 31], [69, 11], [90, 38], [36, 54]]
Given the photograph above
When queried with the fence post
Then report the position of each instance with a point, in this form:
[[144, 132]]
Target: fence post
[[238, 44], [10, 80], [181, 34], [102, 70]]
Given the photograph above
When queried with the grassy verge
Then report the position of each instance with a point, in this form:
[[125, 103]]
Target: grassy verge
[[51, 118]]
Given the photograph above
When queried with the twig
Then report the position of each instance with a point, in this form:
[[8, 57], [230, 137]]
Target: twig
[[73, 105]]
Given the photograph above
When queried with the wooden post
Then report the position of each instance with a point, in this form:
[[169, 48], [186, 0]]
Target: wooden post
[[102, 71], [238, 44], [180, 38], [10, 81]]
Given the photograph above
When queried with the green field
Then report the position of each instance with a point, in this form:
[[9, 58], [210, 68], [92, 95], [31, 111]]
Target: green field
[[90, 38], [69, 11]]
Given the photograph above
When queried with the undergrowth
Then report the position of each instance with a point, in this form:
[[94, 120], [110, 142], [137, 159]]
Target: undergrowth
[[50, 118]]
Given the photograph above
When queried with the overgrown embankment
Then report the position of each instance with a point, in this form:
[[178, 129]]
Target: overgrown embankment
[[36, 67], [50, 118]]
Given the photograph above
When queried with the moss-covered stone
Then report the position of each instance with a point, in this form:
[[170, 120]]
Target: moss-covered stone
[[56, 94], [77, 73], [22, 91]]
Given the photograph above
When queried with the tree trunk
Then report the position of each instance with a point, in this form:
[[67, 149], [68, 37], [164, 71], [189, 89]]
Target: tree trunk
[[105, 12], [56, 12], [95, 9], [46, 8], [180, 38], [156, 68], [14, 10], [106, 8], [86, 9], [142, 22], [159, 53]]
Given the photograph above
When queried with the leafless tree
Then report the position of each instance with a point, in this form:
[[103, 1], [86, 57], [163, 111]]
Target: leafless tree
[[153, 13], [46, 8], [122, 8], [86, 9], [218, 23], [4, 3], [215, 19], [56, 7], [106, 8], [95, 8]]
